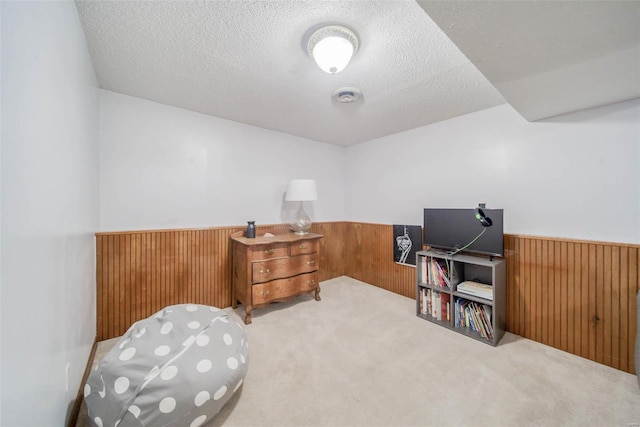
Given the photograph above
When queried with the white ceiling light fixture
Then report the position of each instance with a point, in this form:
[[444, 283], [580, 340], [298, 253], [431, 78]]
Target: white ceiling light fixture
[[332, 47]]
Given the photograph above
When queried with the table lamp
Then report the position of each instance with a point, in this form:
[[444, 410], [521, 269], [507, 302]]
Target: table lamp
[[301, 190]]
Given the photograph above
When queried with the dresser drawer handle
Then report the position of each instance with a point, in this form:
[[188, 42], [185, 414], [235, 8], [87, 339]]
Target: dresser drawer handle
[[263, 293], [311, 282], [312, 262], [303, 246], [264, 271], [269, 251]]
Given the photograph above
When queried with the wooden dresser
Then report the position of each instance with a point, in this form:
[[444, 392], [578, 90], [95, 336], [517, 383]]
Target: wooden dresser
[[269, 269]]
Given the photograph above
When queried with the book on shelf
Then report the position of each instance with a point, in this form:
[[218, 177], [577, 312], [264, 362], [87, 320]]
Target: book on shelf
[[476, 289], [425, 301], [423, 270], [444, 306], [441, 273], [437, 273], [435, 304], [487, 310], [470, 314]]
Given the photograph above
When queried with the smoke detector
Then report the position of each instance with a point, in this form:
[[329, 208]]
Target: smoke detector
[[346, 95]]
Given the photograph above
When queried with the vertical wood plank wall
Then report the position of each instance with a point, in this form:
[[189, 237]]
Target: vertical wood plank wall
[[573, 295], [576, 296], [369, 258], [140, 272]]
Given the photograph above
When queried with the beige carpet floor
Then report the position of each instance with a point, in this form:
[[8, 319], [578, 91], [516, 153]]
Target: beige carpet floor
[[361, 357]]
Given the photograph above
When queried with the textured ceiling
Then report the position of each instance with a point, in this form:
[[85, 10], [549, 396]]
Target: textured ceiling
[[549, 57], [246, 60]]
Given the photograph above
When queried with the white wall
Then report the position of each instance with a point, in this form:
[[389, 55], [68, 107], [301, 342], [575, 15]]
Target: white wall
[[574, 176], [49, 203], [166, 167]]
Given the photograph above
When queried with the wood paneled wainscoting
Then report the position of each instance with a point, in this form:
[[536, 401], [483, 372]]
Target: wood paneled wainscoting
[[573, 295], [140, 272], [369, 258], [576, 296]]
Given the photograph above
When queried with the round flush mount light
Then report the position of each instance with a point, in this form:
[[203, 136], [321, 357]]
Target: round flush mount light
[[346, 95], [332, 47]]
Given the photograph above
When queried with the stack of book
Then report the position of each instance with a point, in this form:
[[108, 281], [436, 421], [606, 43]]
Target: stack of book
[[435, 304], [476, 289], [435, 272], [470, 314]]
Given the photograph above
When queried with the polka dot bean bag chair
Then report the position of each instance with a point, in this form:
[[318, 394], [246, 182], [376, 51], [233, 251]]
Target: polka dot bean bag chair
[[176, 368]]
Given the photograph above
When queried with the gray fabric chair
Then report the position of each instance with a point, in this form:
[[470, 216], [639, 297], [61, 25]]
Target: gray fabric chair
[[178, 368]]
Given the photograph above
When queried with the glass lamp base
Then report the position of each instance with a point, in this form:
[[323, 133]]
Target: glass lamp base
[[301, 223]]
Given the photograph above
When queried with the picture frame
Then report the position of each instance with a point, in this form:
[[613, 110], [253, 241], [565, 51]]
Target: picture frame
[[407, 240]]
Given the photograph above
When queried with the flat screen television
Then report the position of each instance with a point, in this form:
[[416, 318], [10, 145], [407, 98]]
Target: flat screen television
[[452, 229]]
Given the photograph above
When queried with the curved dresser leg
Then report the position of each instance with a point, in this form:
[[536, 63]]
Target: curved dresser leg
[[247, 315]]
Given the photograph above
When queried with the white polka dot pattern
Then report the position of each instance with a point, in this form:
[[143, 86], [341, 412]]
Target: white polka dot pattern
[[98, 421], [220, 393], [227, 339], [202, 340], [194, 325], [198, 421], [121, 385], [180, 364], [201, 398], [135, 411], [127, 354], [204, 366], [232, 363], [169, 372], [168, 404], [166, 328], [162, 350]]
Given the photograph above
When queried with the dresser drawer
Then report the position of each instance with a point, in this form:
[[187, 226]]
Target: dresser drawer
[[272, 250], [284, 288], [264, 271], [304, 247], [274, 268]]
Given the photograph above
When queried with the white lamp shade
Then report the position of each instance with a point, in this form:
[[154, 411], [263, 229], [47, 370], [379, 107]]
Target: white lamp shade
[[301, 190], [332, 54]]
